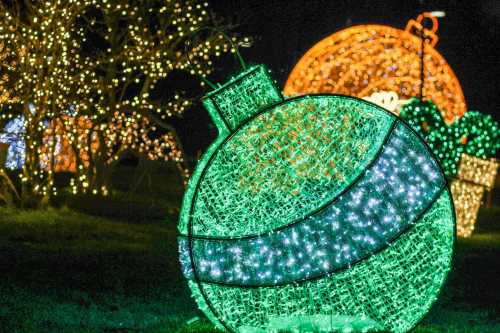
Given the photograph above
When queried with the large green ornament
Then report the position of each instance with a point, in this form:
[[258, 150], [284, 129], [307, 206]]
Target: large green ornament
[[324, 210]]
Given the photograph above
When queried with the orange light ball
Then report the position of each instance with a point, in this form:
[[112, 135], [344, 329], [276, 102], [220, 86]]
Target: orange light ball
[[361, 60]]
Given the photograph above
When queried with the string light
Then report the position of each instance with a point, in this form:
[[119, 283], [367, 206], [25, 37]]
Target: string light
[[43, 48], [13, 136], [467, 198], [6, 62], [475, 134], [478, 170], [316, 205], [90, 69], [361, 60], [66, 144], [426, 119]]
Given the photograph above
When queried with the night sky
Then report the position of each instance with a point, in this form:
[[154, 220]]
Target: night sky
[[283, 31]]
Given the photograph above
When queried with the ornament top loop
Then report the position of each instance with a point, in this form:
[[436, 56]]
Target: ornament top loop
[[241, 97], [416, 27]]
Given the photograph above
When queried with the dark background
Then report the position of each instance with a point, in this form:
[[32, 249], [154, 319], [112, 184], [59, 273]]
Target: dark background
[[283, 31]]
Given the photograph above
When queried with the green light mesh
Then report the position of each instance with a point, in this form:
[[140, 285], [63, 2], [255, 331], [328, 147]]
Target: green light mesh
[[474, 133], [394, 288], [353, 227], [238, 99], [348, 195], [286, 163]]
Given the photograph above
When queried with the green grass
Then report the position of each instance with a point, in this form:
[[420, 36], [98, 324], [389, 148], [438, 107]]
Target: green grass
[[65, 271], [139, 195]]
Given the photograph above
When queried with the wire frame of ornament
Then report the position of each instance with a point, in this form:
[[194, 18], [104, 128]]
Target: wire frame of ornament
[[321, 209], [361, 60]]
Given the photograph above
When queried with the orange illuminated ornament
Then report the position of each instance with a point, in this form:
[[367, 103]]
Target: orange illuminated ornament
[[366, 59]]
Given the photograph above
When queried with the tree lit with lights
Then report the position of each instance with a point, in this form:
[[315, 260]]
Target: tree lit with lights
[[141, 45], [89, 80], [48, 78]]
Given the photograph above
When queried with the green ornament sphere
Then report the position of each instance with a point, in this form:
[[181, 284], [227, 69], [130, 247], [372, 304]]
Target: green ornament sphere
[[320, 211]]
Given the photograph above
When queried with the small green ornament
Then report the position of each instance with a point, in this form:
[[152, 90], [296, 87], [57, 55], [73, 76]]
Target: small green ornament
[[424, 117], [478, 133], [444, 142], [474, 133], [322, 209]]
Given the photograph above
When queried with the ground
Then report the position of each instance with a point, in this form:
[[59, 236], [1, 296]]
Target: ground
[[67, 271]]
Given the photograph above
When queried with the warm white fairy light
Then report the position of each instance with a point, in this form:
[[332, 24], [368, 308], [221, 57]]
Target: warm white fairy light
[[63, 75], [477, 170], [41, 39], [467, 198]]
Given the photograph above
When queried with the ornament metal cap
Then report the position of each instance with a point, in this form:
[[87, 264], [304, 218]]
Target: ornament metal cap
[[241, 97]]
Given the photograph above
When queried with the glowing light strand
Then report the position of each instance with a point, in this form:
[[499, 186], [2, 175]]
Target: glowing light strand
[[474, 134], [288, 254], [475, 175]]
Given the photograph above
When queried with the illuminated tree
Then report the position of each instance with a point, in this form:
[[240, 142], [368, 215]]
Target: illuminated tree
[[134, 48], [6, 64], [49, 78], [90, 82]]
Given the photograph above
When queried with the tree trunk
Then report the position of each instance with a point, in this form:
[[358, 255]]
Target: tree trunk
[[32, 181]]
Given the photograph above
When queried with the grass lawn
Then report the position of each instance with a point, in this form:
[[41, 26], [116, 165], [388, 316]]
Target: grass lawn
[[63, 271]]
